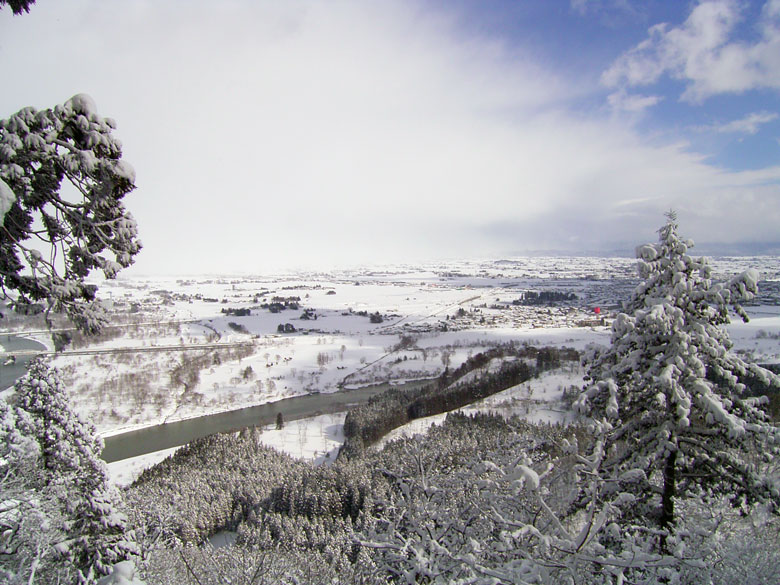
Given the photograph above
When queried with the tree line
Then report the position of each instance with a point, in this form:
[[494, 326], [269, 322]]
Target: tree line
[[368, 423]]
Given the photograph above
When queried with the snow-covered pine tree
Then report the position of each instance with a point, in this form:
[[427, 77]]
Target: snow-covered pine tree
[[72, 479], [670, 400], [62, 181], [29, 523]]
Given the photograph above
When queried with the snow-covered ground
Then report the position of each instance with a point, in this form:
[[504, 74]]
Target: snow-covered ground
[[759, 339], [125, 472], [425, 318], [318, 439], [350, 329]]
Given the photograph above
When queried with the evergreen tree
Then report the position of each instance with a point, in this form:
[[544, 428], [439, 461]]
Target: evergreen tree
[[62, 181], [670, 402], [29, 523], [71, 479]]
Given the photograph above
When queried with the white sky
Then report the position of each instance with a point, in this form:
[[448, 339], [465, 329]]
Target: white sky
[[272, 135]]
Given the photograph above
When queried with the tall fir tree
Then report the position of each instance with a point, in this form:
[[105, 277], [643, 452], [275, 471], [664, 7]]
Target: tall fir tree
[[29, 523], [670, 398], [72, 477]]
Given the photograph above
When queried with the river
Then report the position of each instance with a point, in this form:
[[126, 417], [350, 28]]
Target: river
[[12, 343], [173, 434]]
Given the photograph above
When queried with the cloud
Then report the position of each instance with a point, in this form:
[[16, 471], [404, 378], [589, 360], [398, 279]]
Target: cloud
[[581, 7], [704, 55], [605, 8], [748, 125], [268, 135], [632, 103]]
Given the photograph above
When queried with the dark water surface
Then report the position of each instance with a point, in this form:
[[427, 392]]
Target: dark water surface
[[173, 434], [11, 343]]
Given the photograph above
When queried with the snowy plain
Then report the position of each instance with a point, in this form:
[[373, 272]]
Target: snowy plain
[[431, 318], [351, 328]]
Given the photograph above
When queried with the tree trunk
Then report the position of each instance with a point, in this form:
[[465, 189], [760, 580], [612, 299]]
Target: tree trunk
[[667, 498]]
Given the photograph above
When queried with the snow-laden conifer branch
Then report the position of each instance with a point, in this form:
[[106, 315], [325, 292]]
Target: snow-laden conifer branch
[[61, 168]]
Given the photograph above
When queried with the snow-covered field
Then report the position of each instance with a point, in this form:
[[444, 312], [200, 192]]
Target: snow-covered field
[[292, 334], [339, 329]]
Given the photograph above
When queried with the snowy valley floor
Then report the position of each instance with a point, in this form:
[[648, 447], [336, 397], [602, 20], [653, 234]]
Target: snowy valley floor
[[299, 333]]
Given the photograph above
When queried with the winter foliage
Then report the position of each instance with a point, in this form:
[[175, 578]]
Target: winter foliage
[[476, 500], [61, 521], [671, 409], [62, 181], [670, 476]]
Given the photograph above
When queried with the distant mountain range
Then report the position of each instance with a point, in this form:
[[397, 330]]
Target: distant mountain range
[[704, 249]]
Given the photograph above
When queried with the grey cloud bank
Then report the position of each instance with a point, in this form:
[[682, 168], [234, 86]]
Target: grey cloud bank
[[269, 135]]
